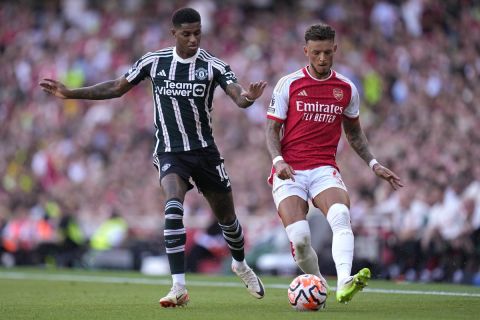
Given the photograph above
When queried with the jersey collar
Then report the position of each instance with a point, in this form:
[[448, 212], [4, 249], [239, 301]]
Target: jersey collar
[[307, 73], [188, 60]]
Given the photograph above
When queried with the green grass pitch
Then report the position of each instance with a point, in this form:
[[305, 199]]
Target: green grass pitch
[[72, 295]]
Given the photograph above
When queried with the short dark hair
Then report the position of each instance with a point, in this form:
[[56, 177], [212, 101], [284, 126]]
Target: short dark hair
[[185, 15], [320, 31]]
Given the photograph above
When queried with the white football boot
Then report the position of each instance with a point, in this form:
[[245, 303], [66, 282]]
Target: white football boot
[[177, 297], [252, 282]]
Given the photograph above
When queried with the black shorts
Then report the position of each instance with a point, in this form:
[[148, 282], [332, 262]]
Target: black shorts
[[205, 166]]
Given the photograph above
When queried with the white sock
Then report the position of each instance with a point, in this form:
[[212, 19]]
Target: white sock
[[239, 265], [299, 235], [179, 278], [338, 217]]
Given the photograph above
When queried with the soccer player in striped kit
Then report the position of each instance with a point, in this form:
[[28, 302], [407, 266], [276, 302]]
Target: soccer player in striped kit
[[183, 79], [305, 118]]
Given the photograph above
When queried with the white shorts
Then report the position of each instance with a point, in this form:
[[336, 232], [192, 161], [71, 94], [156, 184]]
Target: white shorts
[[308, 183]]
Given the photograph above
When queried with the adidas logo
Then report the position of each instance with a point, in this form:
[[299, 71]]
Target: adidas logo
[[162, 73], [303, 93]]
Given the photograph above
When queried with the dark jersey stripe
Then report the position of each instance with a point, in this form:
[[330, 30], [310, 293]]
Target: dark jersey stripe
[[183, 95]]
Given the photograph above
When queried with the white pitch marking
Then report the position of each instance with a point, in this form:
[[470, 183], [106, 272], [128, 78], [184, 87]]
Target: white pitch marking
[[148, 281]]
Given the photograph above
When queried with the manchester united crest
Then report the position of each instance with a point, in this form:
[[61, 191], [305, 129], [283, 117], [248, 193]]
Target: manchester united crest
[[201, 73], [338, 93]]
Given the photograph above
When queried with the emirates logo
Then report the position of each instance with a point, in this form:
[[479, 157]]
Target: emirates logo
[[338, 93]]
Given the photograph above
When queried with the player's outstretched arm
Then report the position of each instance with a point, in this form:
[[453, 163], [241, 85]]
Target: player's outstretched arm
[[358, 141], [272, 133], [243, 98], [104, 90]]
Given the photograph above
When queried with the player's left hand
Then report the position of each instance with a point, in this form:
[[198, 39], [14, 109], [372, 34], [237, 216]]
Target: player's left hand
[[388, 175], [255, 90]]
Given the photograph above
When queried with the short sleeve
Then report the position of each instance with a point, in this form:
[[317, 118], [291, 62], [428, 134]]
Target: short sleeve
[[353, 108], [140, 70], [225, 76], [277, 110]]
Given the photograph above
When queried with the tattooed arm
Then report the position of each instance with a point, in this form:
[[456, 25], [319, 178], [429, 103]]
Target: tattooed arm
[[272, 134], [104, 90], [242, 98], [358, 141]]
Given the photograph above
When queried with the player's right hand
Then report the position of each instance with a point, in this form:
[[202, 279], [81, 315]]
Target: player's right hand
[[284, 171], [54, 87]]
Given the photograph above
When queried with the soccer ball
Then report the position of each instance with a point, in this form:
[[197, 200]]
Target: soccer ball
[[307, 292]]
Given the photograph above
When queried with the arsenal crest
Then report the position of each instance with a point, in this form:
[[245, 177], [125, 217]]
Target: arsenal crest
[[338, 93]]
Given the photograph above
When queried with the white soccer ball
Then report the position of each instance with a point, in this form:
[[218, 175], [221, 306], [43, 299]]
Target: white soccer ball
[[307, 292]]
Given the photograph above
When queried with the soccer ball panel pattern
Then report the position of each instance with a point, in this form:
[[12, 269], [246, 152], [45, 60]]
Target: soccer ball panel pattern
[[307, 293]]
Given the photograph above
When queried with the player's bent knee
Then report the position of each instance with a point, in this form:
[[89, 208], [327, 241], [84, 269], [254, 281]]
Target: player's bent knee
[[299, 235], [338, 217]]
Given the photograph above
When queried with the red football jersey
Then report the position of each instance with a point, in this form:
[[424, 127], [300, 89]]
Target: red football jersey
[[311, 111]]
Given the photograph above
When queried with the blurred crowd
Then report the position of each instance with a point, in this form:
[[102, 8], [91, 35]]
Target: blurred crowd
[[416, 64]]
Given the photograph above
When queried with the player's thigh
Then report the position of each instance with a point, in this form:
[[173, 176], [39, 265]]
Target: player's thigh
[[291, 198], [327, 188], [325, 199], [174, 174], [292, 209], [174, 186], [212, 180], [221, 204]]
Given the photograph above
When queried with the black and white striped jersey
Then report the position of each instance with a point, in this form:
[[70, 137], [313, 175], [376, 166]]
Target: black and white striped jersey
[[182, 96]]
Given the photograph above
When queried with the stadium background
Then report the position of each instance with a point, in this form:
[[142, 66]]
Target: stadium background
[[69, 166]]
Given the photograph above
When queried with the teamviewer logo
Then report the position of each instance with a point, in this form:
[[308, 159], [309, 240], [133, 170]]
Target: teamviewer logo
[[199, 89]]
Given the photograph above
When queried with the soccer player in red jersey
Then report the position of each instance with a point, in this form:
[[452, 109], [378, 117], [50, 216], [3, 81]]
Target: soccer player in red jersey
[[305, 117]]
